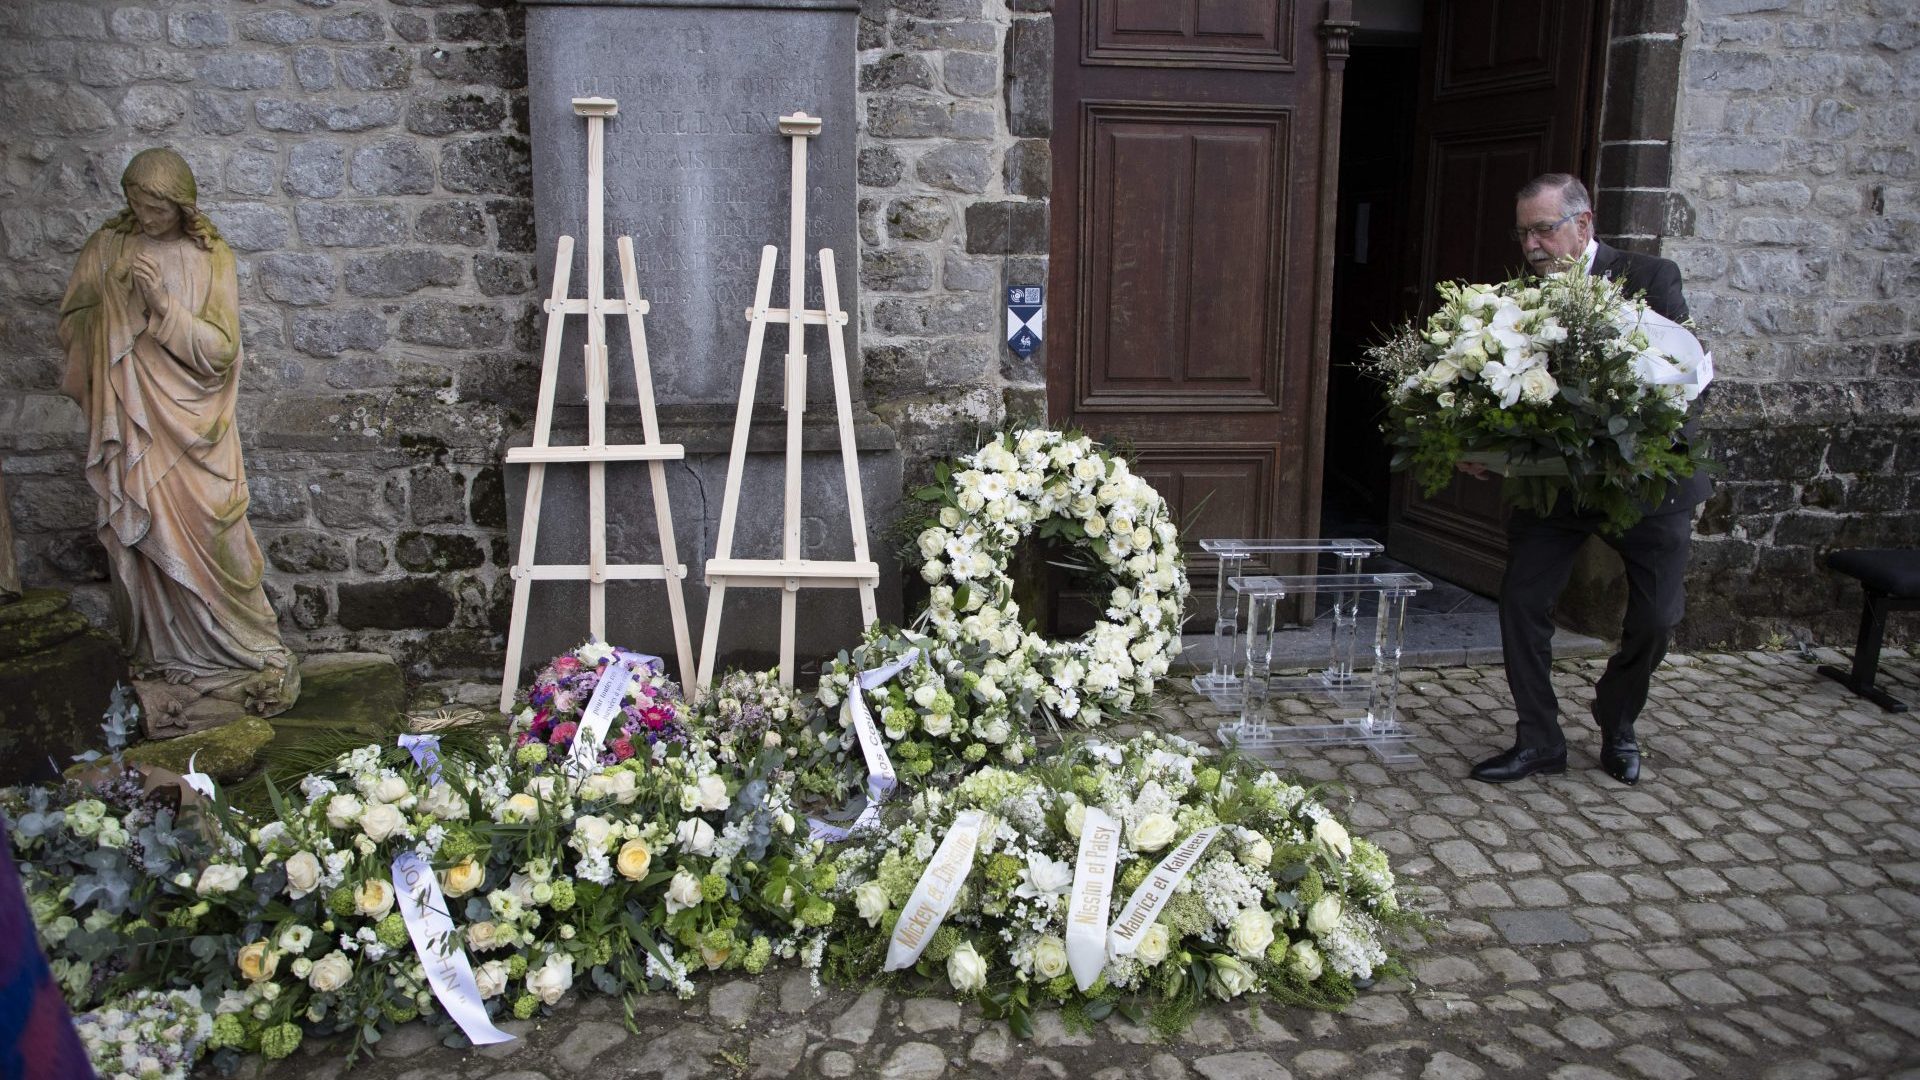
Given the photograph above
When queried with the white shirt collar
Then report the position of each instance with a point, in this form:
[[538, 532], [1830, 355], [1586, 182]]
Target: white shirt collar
[[1593, 251]]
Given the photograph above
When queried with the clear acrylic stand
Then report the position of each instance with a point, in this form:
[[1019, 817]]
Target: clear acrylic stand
[[1366, 707], [1222, 684]]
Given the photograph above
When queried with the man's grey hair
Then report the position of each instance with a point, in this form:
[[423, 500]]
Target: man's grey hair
[[1573, 193]]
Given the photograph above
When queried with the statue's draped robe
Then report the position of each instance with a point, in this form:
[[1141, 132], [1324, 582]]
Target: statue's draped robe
[[164, 454]]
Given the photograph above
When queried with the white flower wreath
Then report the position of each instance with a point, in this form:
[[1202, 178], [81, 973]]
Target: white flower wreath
[[1054, 485]]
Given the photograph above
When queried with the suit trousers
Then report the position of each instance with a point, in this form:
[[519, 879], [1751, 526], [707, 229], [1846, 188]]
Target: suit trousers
[[1540, 554]]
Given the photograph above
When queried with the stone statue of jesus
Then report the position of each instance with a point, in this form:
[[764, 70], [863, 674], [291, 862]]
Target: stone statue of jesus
[[151, 327]]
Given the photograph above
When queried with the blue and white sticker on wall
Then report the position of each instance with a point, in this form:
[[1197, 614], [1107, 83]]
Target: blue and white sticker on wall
[[1026, 317]]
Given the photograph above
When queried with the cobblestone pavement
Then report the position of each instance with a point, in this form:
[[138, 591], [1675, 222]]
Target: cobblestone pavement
[[1751, 909]]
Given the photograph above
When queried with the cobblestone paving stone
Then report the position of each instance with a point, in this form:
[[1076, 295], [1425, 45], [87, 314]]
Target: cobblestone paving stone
[[1751, 909]]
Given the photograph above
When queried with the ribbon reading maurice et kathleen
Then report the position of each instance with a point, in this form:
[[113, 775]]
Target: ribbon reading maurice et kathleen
[[449, 972], [939, 884], [1153, 893], [880, 775], [1092, 893]]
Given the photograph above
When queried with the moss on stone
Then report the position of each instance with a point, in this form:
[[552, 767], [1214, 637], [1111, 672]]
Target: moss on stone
[[226, 753], [345, 692], [21, 639]]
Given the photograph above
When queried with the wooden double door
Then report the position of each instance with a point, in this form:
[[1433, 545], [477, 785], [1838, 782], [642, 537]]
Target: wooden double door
[[1196, 148], [1190, 219]]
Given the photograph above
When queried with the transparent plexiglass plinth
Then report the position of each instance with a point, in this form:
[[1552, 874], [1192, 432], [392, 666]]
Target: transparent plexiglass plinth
[[1364, 707], [1222, 684]]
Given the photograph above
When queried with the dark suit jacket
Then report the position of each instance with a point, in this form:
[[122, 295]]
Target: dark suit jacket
[[1659, 279]]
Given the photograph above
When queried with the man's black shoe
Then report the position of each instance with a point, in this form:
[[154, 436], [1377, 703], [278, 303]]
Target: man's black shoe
[[1521, 762], [1620, 756]]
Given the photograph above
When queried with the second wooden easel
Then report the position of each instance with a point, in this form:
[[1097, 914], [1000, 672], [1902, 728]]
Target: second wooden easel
[[597, 571], [791, 573]]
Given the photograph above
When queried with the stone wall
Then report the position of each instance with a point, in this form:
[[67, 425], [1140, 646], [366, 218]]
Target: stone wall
[[1795, 218], [954, 174], [366, 159]]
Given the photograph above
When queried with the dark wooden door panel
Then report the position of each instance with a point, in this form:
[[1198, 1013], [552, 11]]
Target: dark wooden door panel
[[1190, 267], [1507, 92]]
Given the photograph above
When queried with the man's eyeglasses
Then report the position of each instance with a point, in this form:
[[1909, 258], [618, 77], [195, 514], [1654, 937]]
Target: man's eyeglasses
[[1543, 230]]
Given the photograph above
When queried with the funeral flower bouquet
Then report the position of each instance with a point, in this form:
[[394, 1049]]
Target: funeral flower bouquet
[[651, 706], [1561, 382], [1146, 872]]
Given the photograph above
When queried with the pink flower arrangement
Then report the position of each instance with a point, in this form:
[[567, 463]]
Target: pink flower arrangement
[[652, 711]]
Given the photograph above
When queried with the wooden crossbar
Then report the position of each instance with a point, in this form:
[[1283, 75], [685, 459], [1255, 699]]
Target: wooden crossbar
[[790, 573], [597, 453]]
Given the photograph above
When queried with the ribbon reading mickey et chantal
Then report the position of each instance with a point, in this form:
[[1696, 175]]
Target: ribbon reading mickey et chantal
[[880, 775], [1153, 893], [449, 972], [1092, 894], [927, 908]]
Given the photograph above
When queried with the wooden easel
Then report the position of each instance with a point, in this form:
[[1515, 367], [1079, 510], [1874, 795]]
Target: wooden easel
[[790, 572], [596, 453]]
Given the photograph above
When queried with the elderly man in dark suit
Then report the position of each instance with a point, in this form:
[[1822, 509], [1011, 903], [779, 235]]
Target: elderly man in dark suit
[[1553, 219]]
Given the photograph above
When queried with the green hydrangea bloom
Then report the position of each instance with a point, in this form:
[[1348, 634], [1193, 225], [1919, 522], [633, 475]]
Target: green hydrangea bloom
[[758, 955], [945, 940], [182, 918], [279, 1041], [400, 1012], [525, 1006], [1136, 873], [898, 875], [392, 931], [1003, 871], [227, 1031], [563, 895], [1207, 779], [1311, 888], [817, 914], [713, 887], [459, 845], [1062, 987], [1186, 915], [919, 768], [602, 951], [340, 901], [530, 754], [718, 939], [1086, 785], [1277, 951], [516, 966], [974, 752], [825, 878]]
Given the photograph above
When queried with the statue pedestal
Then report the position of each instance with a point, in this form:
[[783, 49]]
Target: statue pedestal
[[170, 709], [57, 675]]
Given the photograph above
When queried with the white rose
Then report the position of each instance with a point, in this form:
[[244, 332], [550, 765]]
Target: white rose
[[683, 892], [303, 874], [937, 724], [462, 878], [1323, 916], [492, 978], [966, 970], [390, 789], [1537, 386], [1231, 978], [1332, 836], [445, 803], [220, 878], [373, 898], [1250, 933], [1050, 957], [1153, 945], [591, 833], [521, 807], [709, 794], [932, 543], [343, 811], [550, 981], [695, 836], [330, 972], [484, 936], [598, 786], [1076, 819], [870, 900], [1153, 832], [1257, 855], [1305, 959], [382, 820]]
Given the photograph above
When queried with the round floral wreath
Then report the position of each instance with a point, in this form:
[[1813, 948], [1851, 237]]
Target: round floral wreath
[[1065, 487]]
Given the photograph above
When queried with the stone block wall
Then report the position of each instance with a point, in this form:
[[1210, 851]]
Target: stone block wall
[[1794, 214], [955, 170], [367, 161]]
